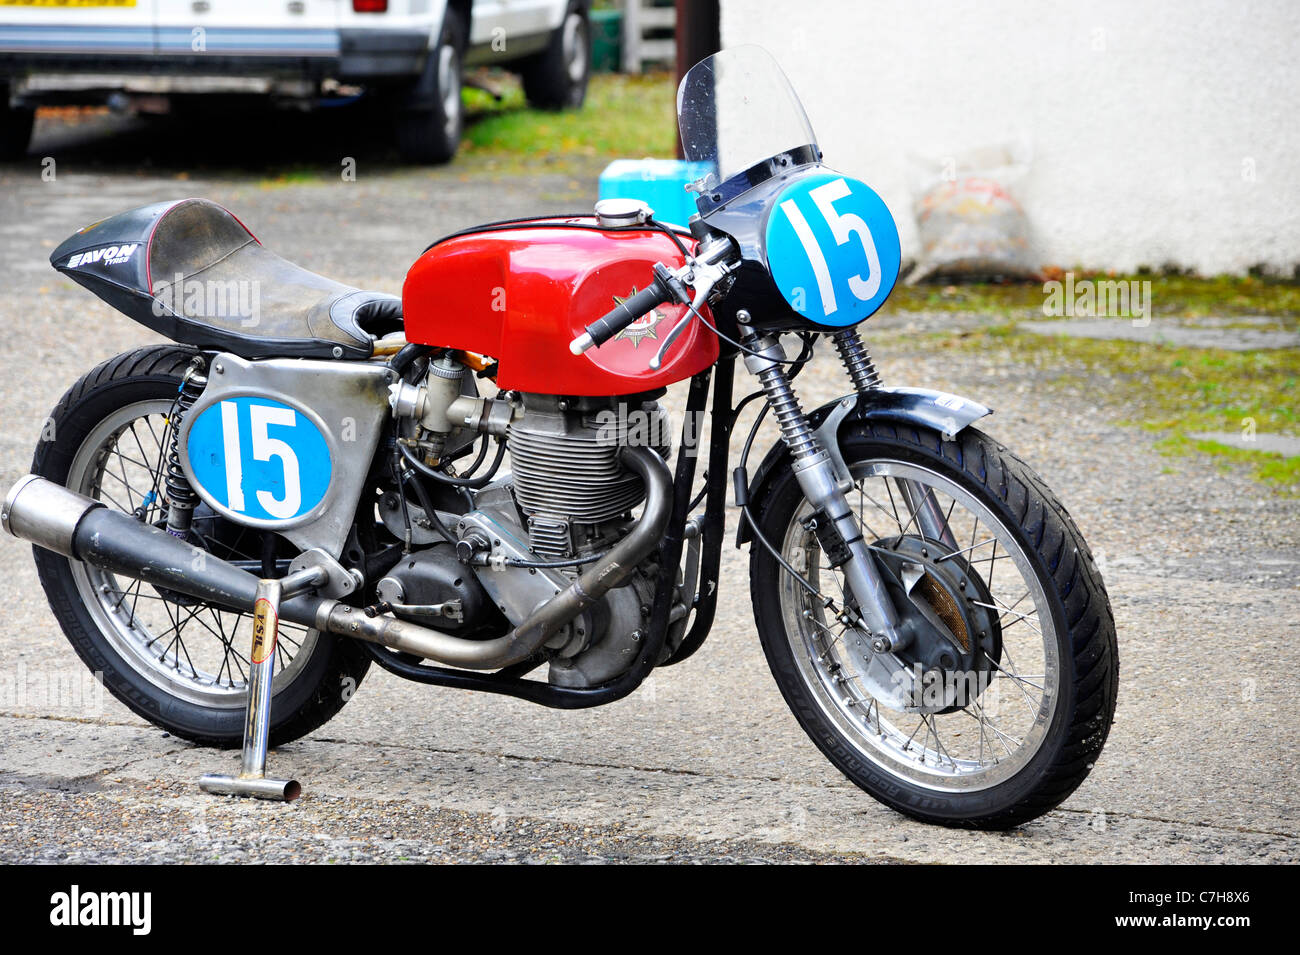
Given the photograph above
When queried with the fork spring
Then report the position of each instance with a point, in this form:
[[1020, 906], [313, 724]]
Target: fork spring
[[857, 359]]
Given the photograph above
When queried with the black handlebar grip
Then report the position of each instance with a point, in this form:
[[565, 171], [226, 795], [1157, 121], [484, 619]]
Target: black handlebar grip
[[625, 313], [665, 288]]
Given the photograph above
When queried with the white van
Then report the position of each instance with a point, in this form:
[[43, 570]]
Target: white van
[[406, 53]]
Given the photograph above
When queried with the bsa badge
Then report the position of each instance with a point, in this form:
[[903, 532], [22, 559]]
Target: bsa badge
[[264, 620], [643, 327]]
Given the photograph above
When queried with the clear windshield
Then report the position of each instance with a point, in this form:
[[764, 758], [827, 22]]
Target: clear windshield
[[736, 109]]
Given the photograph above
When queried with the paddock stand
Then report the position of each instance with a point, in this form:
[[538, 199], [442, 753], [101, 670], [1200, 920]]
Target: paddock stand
[[252, 779]]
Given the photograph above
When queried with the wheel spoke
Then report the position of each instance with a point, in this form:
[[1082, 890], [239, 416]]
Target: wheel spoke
[[1020, 617], [965, 550]]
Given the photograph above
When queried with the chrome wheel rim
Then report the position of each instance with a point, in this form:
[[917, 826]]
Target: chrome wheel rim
[[1000, 728], [575, 47], [191, 651], [449, 84]]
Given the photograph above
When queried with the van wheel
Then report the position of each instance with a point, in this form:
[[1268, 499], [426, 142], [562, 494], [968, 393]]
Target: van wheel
[[557, 77], [15, 127], [430, 121]]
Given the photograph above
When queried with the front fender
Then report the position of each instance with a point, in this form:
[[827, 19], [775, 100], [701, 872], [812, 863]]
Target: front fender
[[923, 407]]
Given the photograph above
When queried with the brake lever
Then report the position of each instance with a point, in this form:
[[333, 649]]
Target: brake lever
[[704, 278], [671, 337]]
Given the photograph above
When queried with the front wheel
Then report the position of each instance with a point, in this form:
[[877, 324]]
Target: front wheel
[[1012, 668]]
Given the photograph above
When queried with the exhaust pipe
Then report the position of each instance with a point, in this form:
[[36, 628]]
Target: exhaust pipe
[[57, 519]]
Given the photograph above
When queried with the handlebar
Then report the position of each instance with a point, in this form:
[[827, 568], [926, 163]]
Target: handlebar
[[666, 287]]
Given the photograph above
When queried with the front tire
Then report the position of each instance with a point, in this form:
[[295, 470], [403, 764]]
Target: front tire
[[1027, 734], [172, 660]]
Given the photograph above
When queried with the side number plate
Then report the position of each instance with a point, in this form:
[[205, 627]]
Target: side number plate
[[260, 458]]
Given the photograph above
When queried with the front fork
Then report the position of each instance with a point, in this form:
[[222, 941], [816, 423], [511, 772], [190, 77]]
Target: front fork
[[921, 504], [826, 487]]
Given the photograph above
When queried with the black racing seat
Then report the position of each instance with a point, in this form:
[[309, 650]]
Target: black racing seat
[[193, 272]]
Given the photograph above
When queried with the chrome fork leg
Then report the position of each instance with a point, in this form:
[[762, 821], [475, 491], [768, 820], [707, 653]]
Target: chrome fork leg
[[252, 779], [817, 479], [921, 504], [927, 513]]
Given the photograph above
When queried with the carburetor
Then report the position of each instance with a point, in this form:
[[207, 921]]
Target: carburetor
[[444, 403]]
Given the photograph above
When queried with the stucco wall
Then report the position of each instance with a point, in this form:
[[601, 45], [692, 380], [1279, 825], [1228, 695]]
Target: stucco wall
[[1162, 132]]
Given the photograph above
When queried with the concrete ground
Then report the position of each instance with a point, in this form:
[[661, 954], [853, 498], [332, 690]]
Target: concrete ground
[[704, 763]]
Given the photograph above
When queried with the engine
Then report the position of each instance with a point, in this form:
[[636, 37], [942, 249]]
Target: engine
[[568, 482], [567, 500]]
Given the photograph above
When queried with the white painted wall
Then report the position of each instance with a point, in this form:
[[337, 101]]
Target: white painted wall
[[1147, 118]]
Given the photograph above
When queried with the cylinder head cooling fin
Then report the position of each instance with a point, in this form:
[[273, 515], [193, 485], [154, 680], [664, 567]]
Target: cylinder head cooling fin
[[566, 463]]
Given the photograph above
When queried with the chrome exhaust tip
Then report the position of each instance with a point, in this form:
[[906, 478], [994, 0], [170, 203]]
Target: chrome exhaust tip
[[45, 513]]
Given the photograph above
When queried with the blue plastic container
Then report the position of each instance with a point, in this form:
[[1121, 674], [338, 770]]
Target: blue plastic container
[[660, 182]]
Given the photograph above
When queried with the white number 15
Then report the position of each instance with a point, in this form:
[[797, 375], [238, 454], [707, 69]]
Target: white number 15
[[265, 447], [843, 226]]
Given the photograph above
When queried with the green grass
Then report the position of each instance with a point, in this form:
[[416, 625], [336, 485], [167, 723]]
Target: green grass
[[1172, 391], [1019, 297], [298, 174], [1272, 469], [1171, 295], [624, 117]]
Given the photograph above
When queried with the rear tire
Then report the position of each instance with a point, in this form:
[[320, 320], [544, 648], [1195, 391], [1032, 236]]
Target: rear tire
[[1073, 619], [318, 686], [557, 77]]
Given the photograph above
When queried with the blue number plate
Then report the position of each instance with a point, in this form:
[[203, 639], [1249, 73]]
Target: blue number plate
[[260, 458], [832, 248]]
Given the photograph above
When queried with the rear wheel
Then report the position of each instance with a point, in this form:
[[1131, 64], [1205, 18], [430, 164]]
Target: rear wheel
[[176, 661], [1012, 672]]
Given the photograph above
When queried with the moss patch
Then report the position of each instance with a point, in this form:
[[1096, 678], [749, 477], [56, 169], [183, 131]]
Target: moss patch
[[1172, 391], [1190, 297]]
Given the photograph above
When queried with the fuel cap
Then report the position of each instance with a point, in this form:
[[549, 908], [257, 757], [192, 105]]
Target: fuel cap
[[622, 213]]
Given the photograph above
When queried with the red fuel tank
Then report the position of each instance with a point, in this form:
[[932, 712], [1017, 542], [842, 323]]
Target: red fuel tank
[[521, 291]]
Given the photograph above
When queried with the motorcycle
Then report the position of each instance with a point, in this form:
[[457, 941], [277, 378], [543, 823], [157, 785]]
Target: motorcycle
[[234, 528]]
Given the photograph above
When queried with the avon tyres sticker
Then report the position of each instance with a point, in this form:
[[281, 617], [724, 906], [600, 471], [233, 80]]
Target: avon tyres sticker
[[260, 458], [109, 255], [832, 248]]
